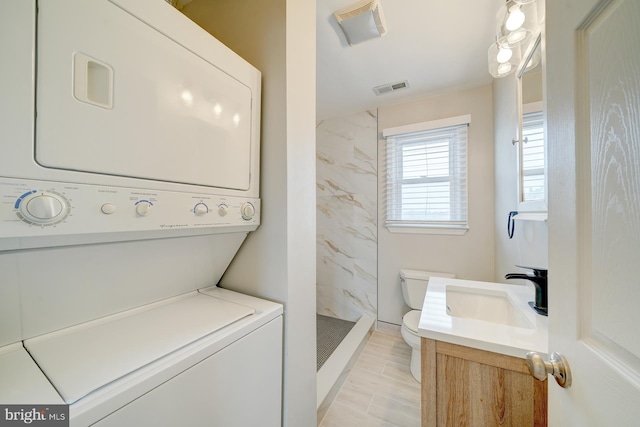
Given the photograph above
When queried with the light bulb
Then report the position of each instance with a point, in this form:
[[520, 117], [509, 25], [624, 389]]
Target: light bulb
[[515, 18], [217, 110], [504, 68], [504, 55], [516, 36], [187, 97]]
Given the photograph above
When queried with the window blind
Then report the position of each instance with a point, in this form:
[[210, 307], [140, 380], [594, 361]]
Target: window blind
[[533, 179], [426, 178]]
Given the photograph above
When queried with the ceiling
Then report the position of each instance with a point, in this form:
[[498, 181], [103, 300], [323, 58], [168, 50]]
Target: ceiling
[[437, 45]]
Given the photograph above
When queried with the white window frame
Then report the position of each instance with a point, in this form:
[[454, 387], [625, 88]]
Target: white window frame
[[536, 207], [394, 143]]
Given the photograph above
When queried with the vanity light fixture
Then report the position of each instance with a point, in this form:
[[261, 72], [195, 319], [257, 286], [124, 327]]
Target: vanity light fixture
[[516, 21], [515, 18], [503, 60], [504, 55]]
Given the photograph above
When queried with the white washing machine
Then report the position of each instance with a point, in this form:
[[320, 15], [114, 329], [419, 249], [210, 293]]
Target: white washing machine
[[22, 381], [196, 360]]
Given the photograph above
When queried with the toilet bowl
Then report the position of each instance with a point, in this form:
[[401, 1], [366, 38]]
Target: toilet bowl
[[409, 332], [414, 288]]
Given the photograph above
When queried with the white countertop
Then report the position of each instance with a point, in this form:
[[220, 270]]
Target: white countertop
[[515, 341]]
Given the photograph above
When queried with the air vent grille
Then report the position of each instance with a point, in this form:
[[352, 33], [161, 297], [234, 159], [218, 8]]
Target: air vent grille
[[390, 87]]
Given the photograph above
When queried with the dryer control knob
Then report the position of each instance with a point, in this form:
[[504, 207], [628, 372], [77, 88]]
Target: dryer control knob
[[143, 208], [200, 209], [222, 210], [43, 208], [248, 211]]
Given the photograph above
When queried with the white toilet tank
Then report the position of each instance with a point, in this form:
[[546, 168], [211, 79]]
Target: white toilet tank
[[414, 285]]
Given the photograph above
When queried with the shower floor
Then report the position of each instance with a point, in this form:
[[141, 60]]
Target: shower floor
[[329, 332]]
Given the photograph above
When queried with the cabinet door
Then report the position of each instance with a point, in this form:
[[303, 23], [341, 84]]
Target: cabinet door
[[239, 386], [469, 387]]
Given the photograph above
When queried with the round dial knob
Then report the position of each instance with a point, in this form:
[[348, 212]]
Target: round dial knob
[[222, 210], [200, 209], [44, 207], [248, 211], [143, 208]]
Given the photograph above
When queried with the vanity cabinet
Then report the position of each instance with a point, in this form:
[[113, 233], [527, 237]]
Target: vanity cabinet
[[463, 386]]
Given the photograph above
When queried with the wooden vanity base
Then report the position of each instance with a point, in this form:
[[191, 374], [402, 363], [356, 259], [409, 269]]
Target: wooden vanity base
[[464, 386]]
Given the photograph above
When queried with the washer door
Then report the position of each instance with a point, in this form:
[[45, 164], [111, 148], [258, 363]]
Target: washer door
[[81, 359]]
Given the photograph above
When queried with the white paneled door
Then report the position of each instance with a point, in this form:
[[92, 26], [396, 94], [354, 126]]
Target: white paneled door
[[593, 104]]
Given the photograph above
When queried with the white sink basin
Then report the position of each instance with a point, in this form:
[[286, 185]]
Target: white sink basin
[[489, 316], [484, 304]]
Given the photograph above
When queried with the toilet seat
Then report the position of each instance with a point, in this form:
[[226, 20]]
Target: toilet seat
[[411, 320]]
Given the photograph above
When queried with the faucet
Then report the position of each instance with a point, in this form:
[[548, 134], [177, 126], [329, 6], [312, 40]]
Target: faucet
[[539, 279]]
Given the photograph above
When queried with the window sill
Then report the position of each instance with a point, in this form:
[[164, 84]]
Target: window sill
[[431, 229], [530, 216]]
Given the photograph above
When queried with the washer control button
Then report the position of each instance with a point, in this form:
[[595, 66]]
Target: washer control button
[[222, 210], [108, 208]]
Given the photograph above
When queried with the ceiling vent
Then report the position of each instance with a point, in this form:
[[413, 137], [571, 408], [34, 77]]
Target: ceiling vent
[[390, 87], [361, 21]]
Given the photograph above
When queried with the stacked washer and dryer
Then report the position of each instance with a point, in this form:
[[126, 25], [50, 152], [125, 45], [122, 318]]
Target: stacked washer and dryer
[[128, 181]]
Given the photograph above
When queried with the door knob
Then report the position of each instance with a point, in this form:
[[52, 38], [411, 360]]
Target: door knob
[[556, 366]]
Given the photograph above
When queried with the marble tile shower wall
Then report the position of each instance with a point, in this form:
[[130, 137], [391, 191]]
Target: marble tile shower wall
[[347, 277]]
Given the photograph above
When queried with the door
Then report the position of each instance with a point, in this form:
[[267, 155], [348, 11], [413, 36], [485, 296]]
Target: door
[[117, 96], [593, 104]]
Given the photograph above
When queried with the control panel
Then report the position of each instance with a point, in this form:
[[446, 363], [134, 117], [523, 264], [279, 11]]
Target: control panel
[[41, 208]]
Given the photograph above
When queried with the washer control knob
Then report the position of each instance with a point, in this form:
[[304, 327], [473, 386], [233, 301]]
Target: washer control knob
[[143, 208], [248, 211], [108, 208], [222, 210], [200, 209]]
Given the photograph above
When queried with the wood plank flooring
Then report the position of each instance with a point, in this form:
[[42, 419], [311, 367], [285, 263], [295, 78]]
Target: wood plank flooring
[[379, 391]]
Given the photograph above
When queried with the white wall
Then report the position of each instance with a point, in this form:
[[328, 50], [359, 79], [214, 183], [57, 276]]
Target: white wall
[[278, 260], [470, 256], [347, 196]]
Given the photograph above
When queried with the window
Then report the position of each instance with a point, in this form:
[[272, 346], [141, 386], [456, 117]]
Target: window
[[533, 157], [426, 173]]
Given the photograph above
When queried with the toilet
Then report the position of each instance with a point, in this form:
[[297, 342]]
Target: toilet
[[414, 288]]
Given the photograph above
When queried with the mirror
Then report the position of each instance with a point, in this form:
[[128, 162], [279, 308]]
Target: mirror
[[532, 182]]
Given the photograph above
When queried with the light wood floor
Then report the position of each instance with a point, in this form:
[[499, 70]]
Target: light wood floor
[[379, 390]]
